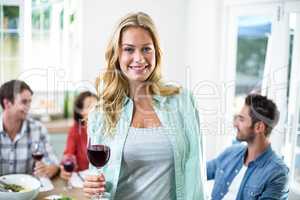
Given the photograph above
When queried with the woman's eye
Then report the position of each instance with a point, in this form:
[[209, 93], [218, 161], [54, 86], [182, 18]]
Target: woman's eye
[[127, 49], [146, 49]]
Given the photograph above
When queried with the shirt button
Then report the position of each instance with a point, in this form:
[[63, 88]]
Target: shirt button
[[221, 171], [222, 193], [236, 171], [228, 183]]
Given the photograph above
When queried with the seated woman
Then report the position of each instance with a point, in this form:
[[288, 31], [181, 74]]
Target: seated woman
[[77, 136]]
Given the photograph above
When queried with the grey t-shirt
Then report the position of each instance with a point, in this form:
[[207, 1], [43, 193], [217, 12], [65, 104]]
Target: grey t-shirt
[[148, 171]]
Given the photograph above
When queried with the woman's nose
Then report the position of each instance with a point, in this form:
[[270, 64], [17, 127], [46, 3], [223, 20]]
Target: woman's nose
[[139, 57]]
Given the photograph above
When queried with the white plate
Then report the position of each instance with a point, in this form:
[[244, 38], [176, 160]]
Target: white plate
[[29, 182]]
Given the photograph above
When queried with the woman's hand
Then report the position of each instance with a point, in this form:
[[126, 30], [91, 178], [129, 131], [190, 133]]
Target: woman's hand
[[64, 174], [94, 185], [41, 169]]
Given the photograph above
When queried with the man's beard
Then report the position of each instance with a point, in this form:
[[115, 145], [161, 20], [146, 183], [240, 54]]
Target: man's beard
[[249, 137]]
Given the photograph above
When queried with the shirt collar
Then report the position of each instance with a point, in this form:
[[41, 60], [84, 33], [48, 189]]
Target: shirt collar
[[24, 127], [21, 132], [157, 98], [262, 158], [160, 99], [126, 100]]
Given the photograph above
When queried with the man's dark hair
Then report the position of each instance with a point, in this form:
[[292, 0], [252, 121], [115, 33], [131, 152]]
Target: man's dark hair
[[78, 105], [262, 109], [10, 89]]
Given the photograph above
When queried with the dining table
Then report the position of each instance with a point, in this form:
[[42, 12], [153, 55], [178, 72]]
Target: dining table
[[60, 188]]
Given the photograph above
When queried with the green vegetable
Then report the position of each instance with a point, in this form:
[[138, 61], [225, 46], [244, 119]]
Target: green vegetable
[[13, 187], [65, 198]]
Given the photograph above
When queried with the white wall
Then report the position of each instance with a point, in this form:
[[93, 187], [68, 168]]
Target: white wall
[[203, 50]]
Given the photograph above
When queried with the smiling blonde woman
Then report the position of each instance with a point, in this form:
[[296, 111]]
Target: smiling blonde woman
[[151, 128]]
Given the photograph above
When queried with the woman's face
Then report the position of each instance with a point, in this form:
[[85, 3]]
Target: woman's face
[[88, 104], [137, 55]]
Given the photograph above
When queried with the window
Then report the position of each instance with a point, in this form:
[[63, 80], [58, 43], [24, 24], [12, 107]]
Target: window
[[252, 41], [261, 53], [10, 44], [293, 122], [37, 36], [250, 30], [40, 44], [45, 43]]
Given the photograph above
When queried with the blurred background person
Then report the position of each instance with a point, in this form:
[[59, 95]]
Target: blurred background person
[[254, 170], [24, 142], [77, 136]]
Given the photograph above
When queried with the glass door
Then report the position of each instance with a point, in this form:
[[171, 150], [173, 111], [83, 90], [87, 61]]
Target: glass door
[[250, 31], [293, 122]]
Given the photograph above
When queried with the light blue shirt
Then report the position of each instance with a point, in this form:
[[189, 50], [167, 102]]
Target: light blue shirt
[[266, 177], [178, 114]]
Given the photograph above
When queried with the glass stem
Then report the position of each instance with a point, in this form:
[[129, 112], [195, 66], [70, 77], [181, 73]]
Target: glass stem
[[100, 195]]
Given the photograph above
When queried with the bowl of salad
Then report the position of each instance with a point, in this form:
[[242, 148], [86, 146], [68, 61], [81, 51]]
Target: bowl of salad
[[19, 187]]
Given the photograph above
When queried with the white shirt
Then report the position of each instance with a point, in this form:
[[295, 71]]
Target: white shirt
[[235, 185]]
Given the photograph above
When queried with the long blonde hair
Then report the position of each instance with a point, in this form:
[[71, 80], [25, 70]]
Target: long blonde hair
[[113, 86]]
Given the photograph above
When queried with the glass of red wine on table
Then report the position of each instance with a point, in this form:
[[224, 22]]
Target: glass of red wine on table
[[69, 164], [98, 155]]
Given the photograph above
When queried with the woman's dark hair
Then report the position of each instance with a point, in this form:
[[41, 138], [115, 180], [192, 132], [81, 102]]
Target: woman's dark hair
[[10, 89], [78, 105], [262, 109]]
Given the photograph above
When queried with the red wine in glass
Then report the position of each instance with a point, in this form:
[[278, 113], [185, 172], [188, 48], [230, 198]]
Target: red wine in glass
[[37, 150], [98, 155], [37, 156], [68, 165]]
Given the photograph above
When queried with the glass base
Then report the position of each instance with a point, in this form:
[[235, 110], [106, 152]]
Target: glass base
[[103, 196]]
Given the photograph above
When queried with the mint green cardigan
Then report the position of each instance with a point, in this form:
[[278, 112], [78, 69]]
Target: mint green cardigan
[[178, 113]]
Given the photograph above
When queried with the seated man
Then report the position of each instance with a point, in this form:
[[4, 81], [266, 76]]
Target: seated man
[[18, 132], [251, 171]]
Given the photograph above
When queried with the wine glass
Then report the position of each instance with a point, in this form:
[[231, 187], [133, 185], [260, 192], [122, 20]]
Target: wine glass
[[98, 155], [69, 164], [37, 152]]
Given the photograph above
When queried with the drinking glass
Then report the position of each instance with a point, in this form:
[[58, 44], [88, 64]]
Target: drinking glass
[[69, 164], [98, 155], [37, 151]]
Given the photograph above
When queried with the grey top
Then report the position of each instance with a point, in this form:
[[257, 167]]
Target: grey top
[[147, 170]]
